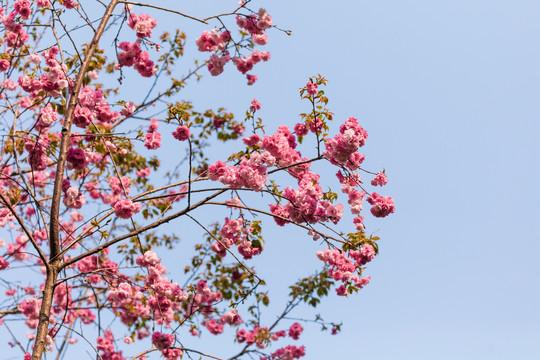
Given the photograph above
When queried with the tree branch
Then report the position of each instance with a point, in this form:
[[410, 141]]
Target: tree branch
[[164, 9], [140, 230], [278, 217]]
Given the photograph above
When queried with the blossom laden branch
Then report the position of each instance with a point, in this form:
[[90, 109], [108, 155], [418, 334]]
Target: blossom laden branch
[[140, 230]]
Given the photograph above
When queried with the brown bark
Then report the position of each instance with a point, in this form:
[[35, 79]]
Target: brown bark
[[66, 131], [54, 237], [45, 312]]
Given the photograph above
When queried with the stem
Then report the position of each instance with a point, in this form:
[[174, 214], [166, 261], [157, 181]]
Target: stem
[[164, 9]]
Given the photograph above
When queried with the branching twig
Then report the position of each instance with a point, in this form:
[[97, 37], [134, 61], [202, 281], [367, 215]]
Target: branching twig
[[164, 9]]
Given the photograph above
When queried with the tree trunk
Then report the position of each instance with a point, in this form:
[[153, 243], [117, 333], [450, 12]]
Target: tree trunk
[[45, 312]]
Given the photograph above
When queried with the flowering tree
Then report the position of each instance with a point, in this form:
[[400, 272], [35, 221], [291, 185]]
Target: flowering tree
[[83, 200]]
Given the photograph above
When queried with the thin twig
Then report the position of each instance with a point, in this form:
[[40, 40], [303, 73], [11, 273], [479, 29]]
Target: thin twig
[[25, 229], [164, 9]]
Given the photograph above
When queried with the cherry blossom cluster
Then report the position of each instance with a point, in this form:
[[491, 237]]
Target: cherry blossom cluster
[[132, 55], [355, 198], [160, 299], [381, 206], [62, 300], [94, 106], [295, 331], [288, 353], [6, 217], [380, 179], [256, 24], [216, 64], [152, 139], [342, 148], [306, 204], [166, 297], [4, 264], [245, 64], [37, 155], [232, 318], [164, 342], [311, 88], [105, 344], [343, 268], [281, 146], [250, 173], [51, 81], [142, 24], [181, 133], [73, 198], [17, 249], [16, 36], [125, 208], [261, 337], [214, 41], [236, 232]]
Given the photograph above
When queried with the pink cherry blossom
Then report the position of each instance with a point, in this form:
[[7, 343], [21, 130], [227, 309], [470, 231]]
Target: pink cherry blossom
[[231, 318], [162, 341], [143, 172], [380, 179], [125, 208], [295, 330], [214, 327], [212, 40], [142, 24], [341, 147], [255, 105], [381, 206], [76, 158], [43, 3], [216, 64], [311, 88], [73, 166], [181, 133], [252, 140], [251, 79], [300, 130], [4, 264], [4, 65], [152, 140]]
